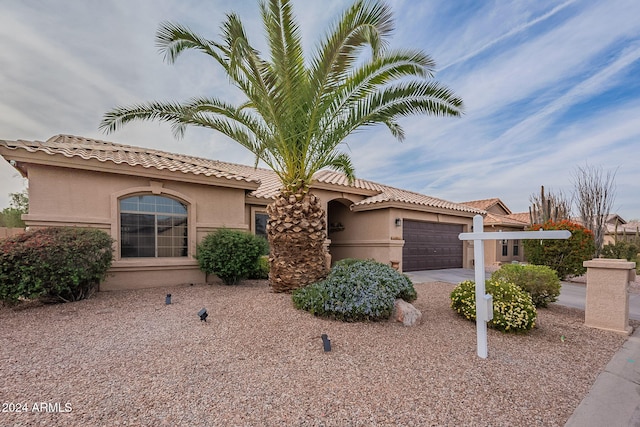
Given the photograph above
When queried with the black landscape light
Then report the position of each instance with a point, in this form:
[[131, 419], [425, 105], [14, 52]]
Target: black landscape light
[[203, 315], [326, 342], [168, 299]]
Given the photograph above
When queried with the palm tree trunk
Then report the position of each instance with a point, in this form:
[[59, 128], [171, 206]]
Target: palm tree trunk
[[296, 231]]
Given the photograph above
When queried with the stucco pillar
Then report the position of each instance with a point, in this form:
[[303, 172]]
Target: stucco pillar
[[607, 304]]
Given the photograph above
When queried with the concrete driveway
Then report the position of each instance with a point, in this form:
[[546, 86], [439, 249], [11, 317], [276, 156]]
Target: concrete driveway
[[571, 294]]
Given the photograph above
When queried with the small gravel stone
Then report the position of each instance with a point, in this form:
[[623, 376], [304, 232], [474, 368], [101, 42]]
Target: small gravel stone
[[126, 358]]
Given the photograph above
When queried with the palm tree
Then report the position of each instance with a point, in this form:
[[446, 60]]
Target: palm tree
[[297, 114]]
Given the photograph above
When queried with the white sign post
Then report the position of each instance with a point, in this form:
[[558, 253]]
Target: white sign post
[[484, 302]]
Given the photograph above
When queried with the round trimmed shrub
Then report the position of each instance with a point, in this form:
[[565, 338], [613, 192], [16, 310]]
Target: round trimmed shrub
[[59, 264], [540, 281], [232, 255], [356, 290], [513, 309]]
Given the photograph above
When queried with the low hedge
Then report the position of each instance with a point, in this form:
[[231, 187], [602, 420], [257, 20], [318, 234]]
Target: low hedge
[[54, 264]]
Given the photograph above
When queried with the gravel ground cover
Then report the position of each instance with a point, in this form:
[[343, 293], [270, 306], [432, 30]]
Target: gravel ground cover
[[127, 359]]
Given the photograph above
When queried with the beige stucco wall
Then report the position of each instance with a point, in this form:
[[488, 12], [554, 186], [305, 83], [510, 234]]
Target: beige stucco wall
[[63, 196], [493, 248], [374, 233], [607, 299], [367, 235], [90, 199]]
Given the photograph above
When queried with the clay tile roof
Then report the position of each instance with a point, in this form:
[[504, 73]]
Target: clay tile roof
[[483, 204], [506, 220], [390, 194], [85, 148], [268, 182], [337, 178], [521, 216]]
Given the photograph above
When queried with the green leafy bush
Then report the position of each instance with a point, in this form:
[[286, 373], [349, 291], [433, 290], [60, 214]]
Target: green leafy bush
[[564, 256], [232, 255], [540, 281], [513, 309], [261, 271], [56, 264], [620, 250], [356, 290]]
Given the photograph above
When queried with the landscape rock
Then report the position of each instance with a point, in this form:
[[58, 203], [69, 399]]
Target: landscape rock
[[406, 313]]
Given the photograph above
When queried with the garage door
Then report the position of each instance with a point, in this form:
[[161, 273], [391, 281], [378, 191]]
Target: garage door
[[431, 246]]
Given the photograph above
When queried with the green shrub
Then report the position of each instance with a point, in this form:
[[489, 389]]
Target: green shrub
[[620, 250], [232, 255], [540, 281], [356, 290], [261, 270], [564, 256], [513, 309], [56, 264]]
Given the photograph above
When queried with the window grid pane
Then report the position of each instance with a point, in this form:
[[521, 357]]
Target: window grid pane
[[153, 226]]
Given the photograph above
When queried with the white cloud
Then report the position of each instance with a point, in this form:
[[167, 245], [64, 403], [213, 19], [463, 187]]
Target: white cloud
[[524, 69]]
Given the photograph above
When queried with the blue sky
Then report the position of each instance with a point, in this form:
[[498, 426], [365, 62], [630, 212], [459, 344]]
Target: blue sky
[[548, 86]]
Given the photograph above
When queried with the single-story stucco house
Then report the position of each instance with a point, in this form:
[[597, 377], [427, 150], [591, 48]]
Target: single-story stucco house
[[500, 218], [618, 229], [159, 205]]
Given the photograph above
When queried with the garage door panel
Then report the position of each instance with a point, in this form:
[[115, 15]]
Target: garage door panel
[[431, 246]]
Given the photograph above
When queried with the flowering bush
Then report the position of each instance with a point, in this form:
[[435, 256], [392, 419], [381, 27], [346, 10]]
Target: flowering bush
[[564, 256], [57, 264], [356, 290], [232, 255], [513, 309], [540, 281]]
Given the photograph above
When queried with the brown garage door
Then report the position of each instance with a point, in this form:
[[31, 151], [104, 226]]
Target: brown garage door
[[431, 246]]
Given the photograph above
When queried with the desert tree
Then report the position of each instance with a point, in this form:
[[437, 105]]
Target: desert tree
[[594, 194]]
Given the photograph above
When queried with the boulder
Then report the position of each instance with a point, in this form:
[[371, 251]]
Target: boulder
[[406, 313]]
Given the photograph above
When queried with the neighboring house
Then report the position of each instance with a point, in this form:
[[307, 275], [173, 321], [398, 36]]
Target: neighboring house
[[618, 229], [159, 205], [499, 218]]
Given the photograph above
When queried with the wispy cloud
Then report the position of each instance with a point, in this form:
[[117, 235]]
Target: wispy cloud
[[547, 85], [510, 33]]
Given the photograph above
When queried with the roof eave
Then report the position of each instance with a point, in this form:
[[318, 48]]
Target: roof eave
[[23, 158], [414, 207], [344, 189]]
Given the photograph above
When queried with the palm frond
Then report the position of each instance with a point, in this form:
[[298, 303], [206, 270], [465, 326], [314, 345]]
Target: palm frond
[[172, 39], [295, 116]]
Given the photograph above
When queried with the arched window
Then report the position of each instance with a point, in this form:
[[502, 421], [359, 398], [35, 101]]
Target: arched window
[[152, 226]]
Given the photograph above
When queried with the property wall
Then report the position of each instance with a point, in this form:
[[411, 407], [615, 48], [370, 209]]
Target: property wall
[[68, 197]]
